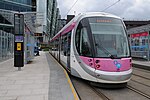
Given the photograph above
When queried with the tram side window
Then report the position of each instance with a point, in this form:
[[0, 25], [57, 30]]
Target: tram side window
[[68, 43], [82, 42], [53, 46], [62, 44], [77, 40], [57, 44], [65, 44]]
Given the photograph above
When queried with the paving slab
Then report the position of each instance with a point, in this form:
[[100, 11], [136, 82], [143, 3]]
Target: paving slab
[[42, 79]]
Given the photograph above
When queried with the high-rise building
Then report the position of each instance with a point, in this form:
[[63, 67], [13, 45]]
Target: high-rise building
[[62, 23], [41, 10], [40, 18], [53, 18], [49, 9], [57, 21], [49, 14], [17, 5]]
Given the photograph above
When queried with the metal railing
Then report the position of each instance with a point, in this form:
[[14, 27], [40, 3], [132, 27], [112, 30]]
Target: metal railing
[[6, 45]]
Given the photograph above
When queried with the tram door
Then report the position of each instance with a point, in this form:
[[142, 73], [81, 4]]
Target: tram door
[[68, 49]]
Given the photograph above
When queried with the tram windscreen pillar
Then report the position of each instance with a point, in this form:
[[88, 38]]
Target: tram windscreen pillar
[[18, 40]]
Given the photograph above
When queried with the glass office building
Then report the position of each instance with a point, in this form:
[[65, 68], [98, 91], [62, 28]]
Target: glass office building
[[16, 5], [53, 18], [7, 8], [49, 15]]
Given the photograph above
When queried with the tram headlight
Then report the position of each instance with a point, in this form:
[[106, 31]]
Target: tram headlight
[[98, 66]]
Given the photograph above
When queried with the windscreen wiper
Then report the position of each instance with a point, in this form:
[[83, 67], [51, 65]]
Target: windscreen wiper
[[106, 51]]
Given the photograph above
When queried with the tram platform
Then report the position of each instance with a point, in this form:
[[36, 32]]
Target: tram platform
[[141, 64], [41, 79]]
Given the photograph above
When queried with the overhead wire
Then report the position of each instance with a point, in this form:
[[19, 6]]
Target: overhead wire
[[110, 5], [102, 10], [71, 7]]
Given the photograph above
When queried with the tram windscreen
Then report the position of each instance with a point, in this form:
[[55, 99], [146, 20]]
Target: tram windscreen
[[110, 37]]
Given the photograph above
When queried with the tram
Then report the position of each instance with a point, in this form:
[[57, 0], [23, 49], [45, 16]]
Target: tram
[[94, 46]]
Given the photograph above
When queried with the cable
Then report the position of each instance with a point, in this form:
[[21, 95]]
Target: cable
[[111, 5], [71, 7]]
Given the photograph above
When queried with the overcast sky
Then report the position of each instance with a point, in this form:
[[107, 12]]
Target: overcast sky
[[128, 9]]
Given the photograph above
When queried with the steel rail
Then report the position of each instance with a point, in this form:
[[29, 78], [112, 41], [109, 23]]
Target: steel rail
[[139, 92], [99, 93], [141, 76]]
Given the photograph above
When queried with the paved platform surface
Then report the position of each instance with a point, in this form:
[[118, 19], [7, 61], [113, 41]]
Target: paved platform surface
[[42, 79], [141, 64]]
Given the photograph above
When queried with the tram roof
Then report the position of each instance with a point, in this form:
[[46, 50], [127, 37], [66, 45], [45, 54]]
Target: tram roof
[[68, 27]]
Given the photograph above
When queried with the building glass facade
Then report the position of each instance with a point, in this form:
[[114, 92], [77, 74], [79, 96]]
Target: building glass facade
[[49, 14], [53, 18], [57, 21], [7, 8], [16, 5]]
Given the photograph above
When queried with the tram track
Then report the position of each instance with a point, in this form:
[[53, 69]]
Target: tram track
[[140, 83], [86, 91], [104, 97], [142, 92], [141, 76], [138, 91], [98, 92], [142, 70], [141, 80], [90, 92]]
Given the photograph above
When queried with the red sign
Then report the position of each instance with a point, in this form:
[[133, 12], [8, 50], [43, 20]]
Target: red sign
[[139, 34]]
